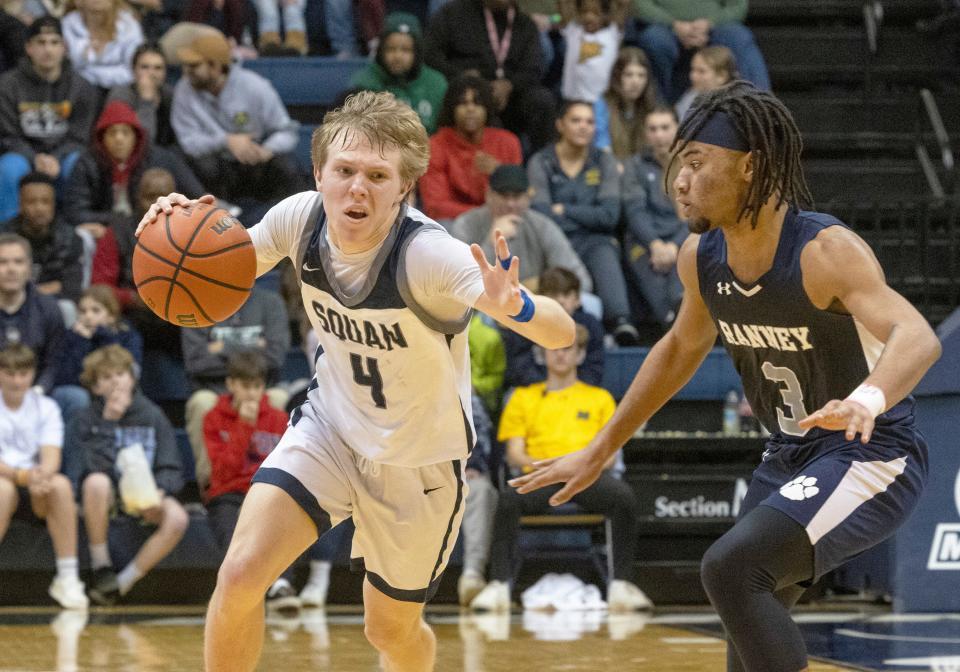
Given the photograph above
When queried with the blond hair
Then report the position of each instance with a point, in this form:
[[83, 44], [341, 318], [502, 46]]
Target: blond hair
[[104, 361], [385, 122]]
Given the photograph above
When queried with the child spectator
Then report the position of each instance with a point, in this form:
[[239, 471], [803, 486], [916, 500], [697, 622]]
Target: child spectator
[[26, 315], [525, 366], [98, 324], [465, 151], [105, 180], [621, 110], [238, 433], [118, 417], [578, 186], [101, 37], [551, 419], [260, 325], [399, 69], [31, 438], [149, 94], [710, 68], [593, 36], [654, 231], [46, 113], [488, 362], [57, 249]]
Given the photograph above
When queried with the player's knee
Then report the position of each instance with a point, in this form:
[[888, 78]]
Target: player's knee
[[241, 577], [719, 570], [387, 632]]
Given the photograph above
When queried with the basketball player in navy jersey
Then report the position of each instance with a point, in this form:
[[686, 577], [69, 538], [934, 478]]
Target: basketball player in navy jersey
[[383, 435], [827, 353]]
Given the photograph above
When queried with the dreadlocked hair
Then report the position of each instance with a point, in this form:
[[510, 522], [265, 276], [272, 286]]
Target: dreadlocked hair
[[772, 135]]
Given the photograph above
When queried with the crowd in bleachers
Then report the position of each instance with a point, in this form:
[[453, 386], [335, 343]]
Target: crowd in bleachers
[[550, 120]]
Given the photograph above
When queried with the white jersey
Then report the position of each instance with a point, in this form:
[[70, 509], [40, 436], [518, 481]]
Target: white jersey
[[392, 367], [590, 58], [23, 431]]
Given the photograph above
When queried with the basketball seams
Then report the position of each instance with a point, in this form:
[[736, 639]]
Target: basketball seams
[[195, 274], [222, 250], [176, 272]]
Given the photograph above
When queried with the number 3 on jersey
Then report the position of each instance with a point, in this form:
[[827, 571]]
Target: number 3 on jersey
[[369, 378], [792, 396]]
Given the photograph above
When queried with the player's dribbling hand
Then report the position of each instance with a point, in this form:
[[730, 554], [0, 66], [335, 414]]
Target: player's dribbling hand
[[501, 285], [845, 415], [165, 204], [578, 470]]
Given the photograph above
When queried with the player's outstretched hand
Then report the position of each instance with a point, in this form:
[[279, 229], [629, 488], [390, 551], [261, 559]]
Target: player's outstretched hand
[[166, 204], [501, 282], [845, 415], [578, 470]]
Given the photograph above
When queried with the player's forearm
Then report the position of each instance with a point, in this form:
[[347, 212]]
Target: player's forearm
[[911, 349], [551, 327], [666, 369]]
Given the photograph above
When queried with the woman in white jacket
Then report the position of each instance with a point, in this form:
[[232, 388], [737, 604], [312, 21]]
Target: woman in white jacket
[[101, 37]]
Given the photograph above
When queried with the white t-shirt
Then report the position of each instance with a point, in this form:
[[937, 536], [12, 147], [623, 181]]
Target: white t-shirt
[[22, 431], [393, 386], [590, 58]]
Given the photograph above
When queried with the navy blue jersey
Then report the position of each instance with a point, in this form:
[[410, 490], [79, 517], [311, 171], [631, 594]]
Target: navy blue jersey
[[791, 356]]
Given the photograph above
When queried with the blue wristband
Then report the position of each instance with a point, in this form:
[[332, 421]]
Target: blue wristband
[[526, 312]]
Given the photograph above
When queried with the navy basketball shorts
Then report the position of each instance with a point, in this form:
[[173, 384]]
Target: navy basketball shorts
[[848, 496], [407, 519]]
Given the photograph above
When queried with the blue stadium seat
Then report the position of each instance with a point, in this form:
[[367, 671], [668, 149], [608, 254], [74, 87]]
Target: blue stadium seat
[[713, 380], [163, 377], [307, 81], [186, 456]]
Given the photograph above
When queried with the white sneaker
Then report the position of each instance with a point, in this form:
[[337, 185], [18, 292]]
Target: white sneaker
[[469, 585], [314, 594], [494, 597], [70, 593], [625, 596]]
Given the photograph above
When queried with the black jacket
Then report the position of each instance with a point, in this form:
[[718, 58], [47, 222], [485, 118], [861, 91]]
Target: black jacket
[[38, 324], [90, 191], [456, 40], [57, 256], [98, 440]]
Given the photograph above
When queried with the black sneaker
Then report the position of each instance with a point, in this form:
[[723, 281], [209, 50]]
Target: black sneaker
[[283, 598], [103, 588], [626, 335]]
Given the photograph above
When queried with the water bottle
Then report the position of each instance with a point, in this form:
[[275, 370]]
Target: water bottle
[[731, 414]]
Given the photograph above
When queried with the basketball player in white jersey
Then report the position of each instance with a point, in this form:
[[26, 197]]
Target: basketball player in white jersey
[[385, 430]]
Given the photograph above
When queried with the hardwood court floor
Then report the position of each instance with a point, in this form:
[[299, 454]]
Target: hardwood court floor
[[170, 640]]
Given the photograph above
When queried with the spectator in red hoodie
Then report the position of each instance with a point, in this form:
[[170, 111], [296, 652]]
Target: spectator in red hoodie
[[465, 150], [105, 179], [239, 432]]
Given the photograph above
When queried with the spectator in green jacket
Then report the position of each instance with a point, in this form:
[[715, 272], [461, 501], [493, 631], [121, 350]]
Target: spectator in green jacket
[[399, 69]]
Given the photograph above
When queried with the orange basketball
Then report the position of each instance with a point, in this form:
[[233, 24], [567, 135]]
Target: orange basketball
[[195, 266]]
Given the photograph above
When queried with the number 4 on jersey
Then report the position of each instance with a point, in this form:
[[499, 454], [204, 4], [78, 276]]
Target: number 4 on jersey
[[370, 378]]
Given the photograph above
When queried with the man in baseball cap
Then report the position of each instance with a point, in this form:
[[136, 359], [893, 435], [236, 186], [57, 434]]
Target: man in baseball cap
[[232, 125]]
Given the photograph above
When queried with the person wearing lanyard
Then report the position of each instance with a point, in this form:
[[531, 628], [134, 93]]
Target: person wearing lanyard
[[495, 40]]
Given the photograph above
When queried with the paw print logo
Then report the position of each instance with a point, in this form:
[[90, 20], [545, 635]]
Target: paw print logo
[[800, 488]]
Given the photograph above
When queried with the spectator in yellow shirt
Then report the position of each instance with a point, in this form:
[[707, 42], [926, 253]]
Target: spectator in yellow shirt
[[550, 419]]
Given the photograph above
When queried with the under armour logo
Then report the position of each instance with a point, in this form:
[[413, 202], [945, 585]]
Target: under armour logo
[[723, 288]]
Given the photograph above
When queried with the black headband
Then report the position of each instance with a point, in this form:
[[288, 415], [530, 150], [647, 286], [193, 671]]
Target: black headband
[[719, 130]]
